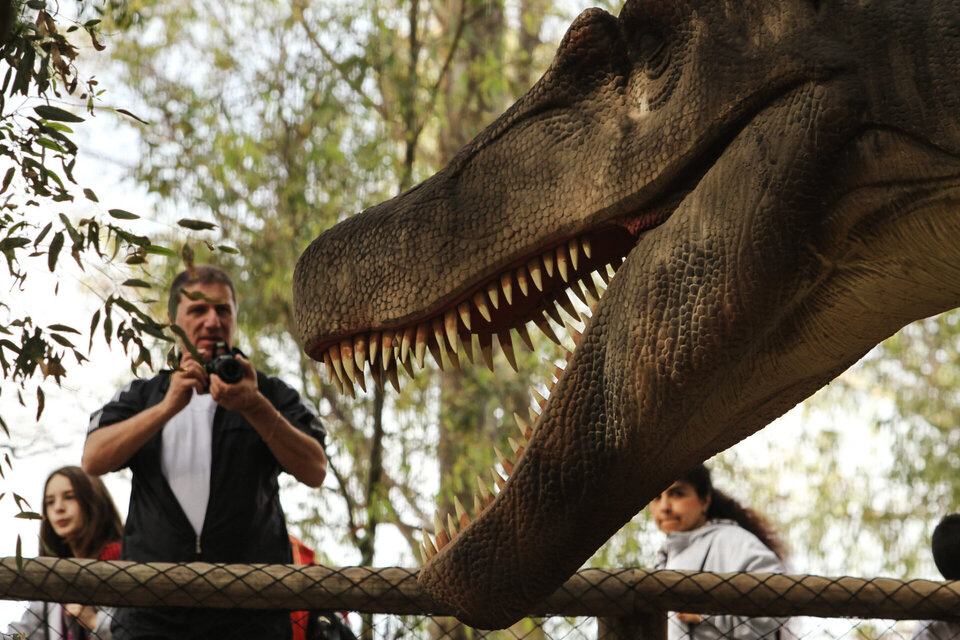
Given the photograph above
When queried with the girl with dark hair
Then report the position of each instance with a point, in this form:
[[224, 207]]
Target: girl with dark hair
[[707, 530], [80, 520]]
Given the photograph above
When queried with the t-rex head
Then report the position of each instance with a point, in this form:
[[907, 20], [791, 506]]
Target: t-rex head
[[780, 181]]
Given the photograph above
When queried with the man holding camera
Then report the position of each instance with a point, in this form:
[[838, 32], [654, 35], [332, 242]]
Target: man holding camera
[[205, 455]]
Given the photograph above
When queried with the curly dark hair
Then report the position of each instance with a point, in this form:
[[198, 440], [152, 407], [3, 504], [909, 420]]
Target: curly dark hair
[[725, 506], [101, 520]]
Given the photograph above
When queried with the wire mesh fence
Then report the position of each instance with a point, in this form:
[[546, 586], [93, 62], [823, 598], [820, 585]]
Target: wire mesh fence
[[379, 603]]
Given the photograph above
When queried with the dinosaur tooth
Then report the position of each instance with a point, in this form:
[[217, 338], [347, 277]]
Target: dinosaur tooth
[[593, 295], [522, 282], [331, 372], [478, 506], [423, 553], [504, 461], [604, 274], [563, 263], [468, 346], [506, 344], [551, 309], [544, 325], [516, 446], [573, 333], [420, 343], [534, 416], [409, 335], [428, 544], [386, 347], [451, 527], [535, 268], [435, 342], [462, 516], [346, 359], [493, 292], [373, 348], [439, 533], [521, 330], [464, 310], [548, 262], [586, 248], [481, 304], [450, 327], [540, 399], [348, 389], [574, 248], [408, 367], [486, 348], [377, 374], [498, 480], [506, 285], [360, 350], [362, 380], [485, 496], [567, 305], [452, 357], [525, 431], [334, 352]]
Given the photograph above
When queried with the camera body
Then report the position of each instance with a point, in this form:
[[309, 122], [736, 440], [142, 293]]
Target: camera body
[[225, 365]]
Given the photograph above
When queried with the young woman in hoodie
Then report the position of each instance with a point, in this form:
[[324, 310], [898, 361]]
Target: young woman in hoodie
[[708, 530]]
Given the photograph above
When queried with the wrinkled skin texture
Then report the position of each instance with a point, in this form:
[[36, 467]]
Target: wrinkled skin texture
[[782, 179]]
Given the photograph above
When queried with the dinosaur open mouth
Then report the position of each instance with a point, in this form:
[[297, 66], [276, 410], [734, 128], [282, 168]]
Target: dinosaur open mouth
[[567, 277]]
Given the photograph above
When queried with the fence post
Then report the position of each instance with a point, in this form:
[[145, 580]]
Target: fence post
[[641, 626]]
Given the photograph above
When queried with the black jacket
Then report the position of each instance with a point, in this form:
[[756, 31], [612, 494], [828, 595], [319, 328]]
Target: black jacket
[[244, 522]]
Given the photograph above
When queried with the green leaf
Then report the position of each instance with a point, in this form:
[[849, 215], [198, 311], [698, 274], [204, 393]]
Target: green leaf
[[19, 554], [29, 515], [13, 243], [39, 5], [122, 215], [55, 246], [95, 320], [90, 195], [135, 282], [196, 225], [62, 328], [225, 249], [8, 176], [156, 249], [48, 112], [43, 234], [130, 115]]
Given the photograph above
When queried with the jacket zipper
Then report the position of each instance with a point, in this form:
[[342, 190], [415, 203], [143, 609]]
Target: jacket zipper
[[199, 548]]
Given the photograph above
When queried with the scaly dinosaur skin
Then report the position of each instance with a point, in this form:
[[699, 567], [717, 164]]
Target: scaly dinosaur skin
[[782, 179]]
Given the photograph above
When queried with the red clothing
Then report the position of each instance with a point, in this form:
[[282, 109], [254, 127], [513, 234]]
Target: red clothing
[[302, 554], [110, 552]]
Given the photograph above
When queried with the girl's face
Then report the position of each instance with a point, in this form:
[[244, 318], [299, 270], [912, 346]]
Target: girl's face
[[679, 508], [61, 508]]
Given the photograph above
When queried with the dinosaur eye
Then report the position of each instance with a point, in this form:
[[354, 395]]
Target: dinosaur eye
[[653, 51]]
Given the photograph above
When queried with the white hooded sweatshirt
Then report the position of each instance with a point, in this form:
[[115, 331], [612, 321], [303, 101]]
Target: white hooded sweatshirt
[[721, 546]]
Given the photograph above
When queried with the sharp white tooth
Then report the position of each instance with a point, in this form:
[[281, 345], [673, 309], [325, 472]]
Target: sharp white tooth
[[374, 348], [524, 335], [485, 495], [479, 301], [453, 357], [436, 353], [348, 388], [377, 374], [506, 285], [408, 367], [604, 274], [522, 282], [573, 333], [548, 262], [450, 327], [574, 248], [423, 553], [334, 352], [360, 351], [428, 544], [451, 527], [331, 372], [420, 349], [493, 292], [506, 344], [439, 340], [497, 480], [346, 359], [362, 380], [464, 310], [504, 462], [563, 266], [477, 505], [524, 426], [567, 305], [409, 338], [462, 516], [513, 444], [544, 325], [586, 247], [486, 348], [535, 267], [541, 401], [439, 532], [534, 415], [386, 347]]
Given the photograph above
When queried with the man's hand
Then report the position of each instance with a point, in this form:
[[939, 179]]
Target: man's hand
[[190, 377], [241, 396]]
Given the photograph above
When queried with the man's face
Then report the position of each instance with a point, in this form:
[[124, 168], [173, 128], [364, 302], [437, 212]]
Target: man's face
[[209, 319]]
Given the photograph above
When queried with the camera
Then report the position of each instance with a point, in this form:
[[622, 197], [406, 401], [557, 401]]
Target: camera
[[225, 365]]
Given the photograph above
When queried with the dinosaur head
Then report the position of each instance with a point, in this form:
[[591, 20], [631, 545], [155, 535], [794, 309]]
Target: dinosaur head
[[775, 186]]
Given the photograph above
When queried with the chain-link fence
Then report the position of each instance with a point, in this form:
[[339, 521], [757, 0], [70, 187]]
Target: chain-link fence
[[378, 603]]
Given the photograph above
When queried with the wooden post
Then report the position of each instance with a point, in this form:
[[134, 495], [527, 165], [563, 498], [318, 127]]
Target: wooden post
[[641, 626]]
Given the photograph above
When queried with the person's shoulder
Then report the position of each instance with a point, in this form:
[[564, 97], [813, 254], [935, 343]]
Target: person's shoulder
[[732, 533]]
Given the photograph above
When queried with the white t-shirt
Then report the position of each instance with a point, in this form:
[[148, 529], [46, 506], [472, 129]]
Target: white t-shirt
[[187, 455]]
